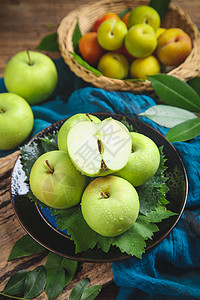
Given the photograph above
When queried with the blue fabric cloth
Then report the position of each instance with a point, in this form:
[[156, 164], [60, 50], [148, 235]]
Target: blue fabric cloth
[[171, 270]]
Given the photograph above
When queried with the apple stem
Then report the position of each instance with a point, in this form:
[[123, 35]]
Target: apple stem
[[1, 111], [29, 58], [105, 195], [88, 115], [49, 167]]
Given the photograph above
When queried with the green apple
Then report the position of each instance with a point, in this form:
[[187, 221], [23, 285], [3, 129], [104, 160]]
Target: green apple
[[16, 120], [68, 124], [110, 205], [114, 65], [144, 14], [143, 161], [99, 149], [55, 181], [31, 75], [111, 34], [141, 40]]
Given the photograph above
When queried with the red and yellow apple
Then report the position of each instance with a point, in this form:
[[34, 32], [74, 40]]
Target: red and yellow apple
[[111, 34], [107, 16], [141, 67], [114, 65], [174, 45], [90, 49], [141, 40]]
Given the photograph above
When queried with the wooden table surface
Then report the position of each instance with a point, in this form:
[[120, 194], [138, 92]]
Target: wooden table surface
[[23, 23]]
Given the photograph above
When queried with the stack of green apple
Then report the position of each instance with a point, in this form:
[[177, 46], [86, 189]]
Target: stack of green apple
[[134, 46], [30, 78], [98, 164]]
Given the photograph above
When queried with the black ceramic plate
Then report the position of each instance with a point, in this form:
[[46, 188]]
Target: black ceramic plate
[[37, 226]]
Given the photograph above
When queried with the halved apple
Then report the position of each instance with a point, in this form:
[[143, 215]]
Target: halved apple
[[99, 149]]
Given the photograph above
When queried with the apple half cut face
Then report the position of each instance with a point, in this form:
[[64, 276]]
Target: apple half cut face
[[99, 149]]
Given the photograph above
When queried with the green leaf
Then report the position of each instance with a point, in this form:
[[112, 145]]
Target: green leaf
[[59, 272], [84, 63], [15, 284], [55, 276], [91, 293], [195, 84], [134, 79], [128, 126], [161, 6], [70, 267], [35, 283], [124, 12], [155, 187], [184, 131], [132, 241], [24, 247], [49, 43], [76, 36], [160, 213], [79, 288], [175, 92], [72, 220], [168, 116]]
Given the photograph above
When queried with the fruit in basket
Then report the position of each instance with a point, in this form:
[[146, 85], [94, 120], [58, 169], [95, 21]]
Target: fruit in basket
[[126, 17], [143, 161], [107, 16], [110, 205], [144, 14], [55, 181], [16, 120], [114, 65], [111, 34], [141, 67], [68, 124], [99, 149], [124, 51], [31, 75], [141, 40], [159, 31], [90, 49], [174, 45]]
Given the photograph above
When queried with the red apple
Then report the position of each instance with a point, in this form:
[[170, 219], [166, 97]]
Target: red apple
[[107, 16], [90, 49], [124, 51]]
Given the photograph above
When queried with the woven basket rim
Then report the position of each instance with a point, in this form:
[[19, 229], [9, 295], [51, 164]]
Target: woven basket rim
[[111, 83]]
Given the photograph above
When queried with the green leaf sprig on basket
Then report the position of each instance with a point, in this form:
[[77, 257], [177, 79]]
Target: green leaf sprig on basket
[[133, 242]]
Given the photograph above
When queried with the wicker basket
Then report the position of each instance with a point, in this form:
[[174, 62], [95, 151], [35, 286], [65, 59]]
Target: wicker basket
[[86, 15]]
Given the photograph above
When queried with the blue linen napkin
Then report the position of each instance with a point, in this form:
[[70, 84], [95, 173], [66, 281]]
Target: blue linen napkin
[[171, 270]]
